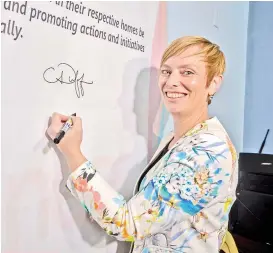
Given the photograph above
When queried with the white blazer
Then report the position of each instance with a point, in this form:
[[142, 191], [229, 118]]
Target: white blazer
[[183, 202]]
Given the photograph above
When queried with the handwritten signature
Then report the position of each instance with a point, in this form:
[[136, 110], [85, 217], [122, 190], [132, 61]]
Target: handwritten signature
[[66, 74]]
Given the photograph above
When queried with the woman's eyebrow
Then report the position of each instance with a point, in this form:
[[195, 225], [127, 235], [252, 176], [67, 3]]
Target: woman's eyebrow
[[165, 66], [181, 66], [190, 66]]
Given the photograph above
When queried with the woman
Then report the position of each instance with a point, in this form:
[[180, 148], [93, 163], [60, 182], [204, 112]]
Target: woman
[[182, 199]]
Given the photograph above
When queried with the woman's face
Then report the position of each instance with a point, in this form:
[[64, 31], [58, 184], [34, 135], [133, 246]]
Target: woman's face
[[183, 82]]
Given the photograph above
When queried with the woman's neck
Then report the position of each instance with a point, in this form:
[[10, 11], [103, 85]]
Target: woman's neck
[[182, 124]]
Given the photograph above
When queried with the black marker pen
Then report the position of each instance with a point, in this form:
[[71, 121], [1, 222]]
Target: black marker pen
[[64, 129]]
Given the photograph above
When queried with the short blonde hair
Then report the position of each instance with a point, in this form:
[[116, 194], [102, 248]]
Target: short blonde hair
[[213, 56]]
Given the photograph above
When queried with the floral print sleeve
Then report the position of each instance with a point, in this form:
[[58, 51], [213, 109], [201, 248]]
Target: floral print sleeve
[[190, 177]]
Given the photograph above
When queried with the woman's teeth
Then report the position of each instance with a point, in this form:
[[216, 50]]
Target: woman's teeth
[[175, 95]]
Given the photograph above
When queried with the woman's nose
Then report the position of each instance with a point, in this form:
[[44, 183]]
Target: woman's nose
[[173, 80]]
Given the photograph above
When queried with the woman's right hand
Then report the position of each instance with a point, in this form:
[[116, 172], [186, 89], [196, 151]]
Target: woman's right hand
[[70, 145]]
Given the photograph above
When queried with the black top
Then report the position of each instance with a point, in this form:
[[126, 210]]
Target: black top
[[154, 162]]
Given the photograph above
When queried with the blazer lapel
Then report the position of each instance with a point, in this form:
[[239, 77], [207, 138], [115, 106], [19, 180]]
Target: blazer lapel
[[162, 144]]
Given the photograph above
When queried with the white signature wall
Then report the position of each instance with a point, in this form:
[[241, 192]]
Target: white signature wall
[[98, 79]]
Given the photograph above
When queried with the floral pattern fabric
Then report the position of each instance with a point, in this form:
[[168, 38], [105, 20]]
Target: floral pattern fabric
[[183, 203]]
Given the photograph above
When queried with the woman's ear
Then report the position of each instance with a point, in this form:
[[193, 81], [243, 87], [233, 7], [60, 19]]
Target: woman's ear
[[215, 84]]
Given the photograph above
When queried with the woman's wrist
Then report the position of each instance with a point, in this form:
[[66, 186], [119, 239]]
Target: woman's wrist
[[75, 159]]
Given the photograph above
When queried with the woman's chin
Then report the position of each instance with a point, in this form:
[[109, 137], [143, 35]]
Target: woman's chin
[[174, 110]]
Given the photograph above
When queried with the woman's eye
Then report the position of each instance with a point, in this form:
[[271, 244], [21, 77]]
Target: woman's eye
[[187, 72], [165, 72]]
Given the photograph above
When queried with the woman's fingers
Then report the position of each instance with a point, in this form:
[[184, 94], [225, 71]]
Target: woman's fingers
[[57, 117]]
